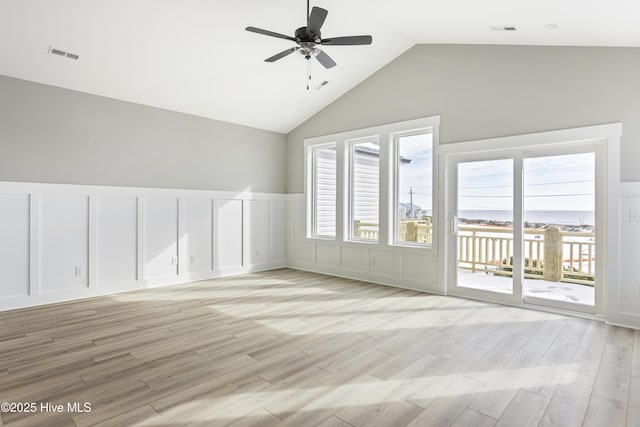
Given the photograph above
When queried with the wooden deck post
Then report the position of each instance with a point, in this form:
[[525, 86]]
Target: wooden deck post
[[427, 221], [552, 255], [412, 231]]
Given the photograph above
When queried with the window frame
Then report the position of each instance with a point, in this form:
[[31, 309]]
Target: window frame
[[395, 190], [312, 201], [351, 143], [386, 204]]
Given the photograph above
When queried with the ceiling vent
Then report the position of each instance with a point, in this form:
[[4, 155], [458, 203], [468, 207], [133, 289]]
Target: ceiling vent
[[502, 27], [321, 85], [58, 52]]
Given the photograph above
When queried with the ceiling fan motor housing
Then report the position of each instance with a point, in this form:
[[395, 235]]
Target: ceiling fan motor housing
[[307, 37]]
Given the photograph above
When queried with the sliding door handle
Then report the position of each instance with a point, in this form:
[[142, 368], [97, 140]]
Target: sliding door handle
[[453, 224]]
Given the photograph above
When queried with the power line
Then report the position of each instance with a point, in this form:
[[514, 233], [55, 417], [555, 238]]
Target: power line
[[411, 196], [528, 185], [532, 195]]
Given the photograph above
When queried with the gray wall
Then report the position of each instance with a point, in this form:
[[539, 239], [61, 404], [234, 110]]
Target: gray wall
[[490, 91], [55, 135]]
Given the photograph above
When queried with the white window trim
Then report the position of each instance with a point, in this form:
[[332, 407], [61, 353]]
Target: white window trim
[[395, 180], [309, 188], [385, 134], [350, 143], [609, 136]]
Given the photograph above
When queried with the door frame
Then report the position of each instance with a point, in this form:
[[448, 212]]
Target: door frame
[[608, 175], [452, 178]]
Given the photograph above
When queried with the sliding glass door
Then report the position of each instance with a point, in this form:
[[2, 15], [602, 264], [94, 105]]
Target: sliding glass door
[[559, 195], [485, 225], [523, 228]]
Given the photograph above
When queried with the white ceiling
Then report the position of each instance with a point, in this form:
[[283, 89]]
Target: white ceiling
[[194, 56]]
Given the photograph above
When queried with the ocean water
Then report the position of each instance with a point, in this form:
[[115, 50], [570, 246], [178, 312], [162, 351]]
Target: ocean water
[[541, 217]]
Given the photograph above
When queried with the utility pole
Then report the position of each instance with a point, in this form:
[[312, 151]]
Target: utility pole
[[411, 202]]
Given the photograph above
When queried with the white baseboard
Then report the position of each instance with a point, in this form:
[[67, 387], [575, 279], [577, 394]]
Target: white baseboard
[[630, 321], [412, 285], [12, 303]]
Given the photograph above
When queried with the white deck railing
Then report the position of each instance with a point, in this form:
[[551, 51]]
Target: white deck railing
[[490, 249], [570, 256]]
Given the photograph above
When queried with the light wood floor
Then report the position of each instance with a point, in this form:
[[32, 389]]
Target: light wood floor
[[292, 348]]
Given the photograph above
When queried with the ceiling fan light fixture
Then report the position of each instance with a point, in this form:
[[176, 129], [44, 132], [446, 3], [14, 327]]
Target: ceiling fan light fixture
[[308, 50]]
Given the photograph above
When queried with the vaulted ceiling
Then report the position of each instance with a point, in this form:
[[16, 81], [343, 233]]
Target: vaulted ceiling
[[194, 56]]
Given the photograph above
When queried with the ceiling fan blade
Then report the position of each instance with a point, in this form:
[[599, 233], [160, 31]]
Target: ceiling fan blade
[[348, 41], [269, 33], [280, 55], [325, 60], [316, 19]]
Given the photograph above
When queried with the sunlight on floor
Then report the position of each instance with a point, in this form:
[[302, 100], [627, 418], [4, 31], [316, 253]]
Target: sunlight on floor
[[327, 351], [173, 293], [371, 321], [365, 390]]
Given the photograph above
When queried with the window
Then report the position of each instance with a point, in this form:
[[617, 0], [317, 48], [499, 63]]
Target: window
[[365, 190], [323, 188], [413, 163], [373, 186]]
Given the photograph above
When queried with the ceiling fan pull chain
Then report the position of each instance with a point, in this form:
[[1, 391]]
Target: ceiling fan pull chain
[[308, 73]]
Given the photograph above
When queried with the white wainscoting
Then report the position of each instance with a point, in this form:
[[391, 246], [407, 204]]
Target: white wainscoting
[[116, 240], [256, 245], [61, 242], [229, 237], [14, 244], [160, 225], [196, 241], [64, 242], [400, 266], [626, 297]]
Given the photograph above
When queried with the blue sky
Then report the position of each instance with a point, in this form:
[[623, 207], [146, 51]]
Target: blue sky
[[551, 183], [416, 175], [557, 183]]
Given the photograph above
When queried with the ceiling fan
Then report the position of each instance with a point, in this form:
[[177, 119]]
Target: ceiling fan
[[309, 39]]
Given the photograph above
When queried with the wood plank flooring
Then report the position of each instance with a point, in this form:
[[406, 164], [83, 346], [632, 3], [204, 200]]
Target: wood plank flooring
[[286, 347]]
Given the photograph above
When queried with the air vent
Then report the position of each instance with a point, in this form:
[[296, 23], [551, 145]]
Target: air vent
[[503, 28], [321, 85], [58, 52]]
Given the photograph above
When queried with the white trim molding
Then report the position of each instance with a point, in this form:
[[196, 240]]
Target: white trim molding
[[385, 135], [607, 138], [78, 241], [377, 261], [626, 300]]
